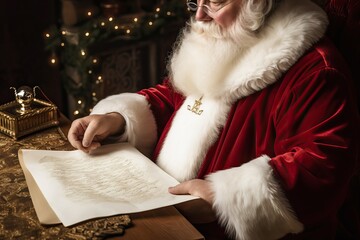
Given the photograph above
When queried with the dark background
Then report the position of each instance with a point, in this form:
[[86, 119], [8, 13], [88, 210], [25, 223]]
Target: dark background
[[23, 59]]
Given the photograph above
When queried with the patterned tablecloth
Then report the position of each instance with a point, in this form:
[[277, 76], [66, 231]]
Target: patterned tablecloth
[[18, 219]]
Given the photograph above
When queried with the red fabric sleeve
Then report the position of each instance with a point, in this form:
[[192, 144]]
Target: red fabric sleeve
[[163, 101], [315, 172]]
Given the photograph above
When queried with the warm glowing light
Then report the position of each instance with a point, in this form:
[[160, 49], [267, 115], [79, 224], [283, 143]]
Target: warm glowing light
[[135, 19], [168, 13], [94, 94], [102, 23], [90, 72], [79, 102], [62, 44], [116, 27], [47, 35], [150, 23], [89, 13], [53, 60], [76, 112], [83, 53], [95, 60], [63, 32], [128, 31], [158, 9], [87, 34], [110, 19]]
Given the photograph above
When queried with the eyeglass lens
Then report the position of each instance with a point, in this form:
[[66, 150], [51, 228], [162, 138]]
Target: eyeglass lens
[[207, 7]]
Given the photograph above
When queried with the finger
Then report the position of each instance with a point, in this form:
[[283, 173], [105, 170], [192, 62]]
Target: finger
[[89, 134], [180, 189], [75, 137], [92, 147], [196, 187], [76, 142]]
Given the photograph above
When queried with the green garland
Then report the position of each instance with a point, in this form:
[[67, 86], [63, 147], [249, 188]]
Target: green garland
[[70, 47]]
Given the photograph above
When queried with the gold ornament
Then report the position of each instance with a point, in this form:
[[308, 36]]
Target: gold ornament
[[26, 114], [196, 107]]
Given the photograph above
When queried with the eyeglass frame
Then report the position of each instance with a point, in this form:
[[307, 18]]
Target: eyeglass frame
[[194, 6]]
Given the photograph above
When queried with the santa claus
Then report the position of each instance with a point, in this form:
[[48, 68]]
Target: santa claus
[[257, 118]]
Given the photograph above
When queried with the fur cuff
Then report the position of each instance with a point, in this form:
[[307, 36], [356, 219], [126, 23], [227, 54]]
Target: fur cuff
[[251, 204], [140, 122]]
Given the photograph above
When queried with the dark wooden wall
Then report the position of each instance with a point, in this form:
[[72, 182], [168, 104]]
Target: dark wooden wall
[[23, 60]]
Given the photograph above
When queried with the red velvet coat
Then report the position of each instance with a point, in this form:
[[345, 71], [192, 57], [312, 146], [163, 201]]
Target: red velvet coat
[[277, 134], [306, 122]]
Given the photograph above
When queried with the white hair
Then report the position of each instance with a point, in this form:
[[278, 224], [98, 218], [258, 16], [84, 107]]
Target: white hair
[[253, 13]]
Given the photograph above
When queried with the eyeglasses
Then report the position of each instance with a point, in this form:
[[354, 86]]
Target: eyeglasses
[[210, 6]]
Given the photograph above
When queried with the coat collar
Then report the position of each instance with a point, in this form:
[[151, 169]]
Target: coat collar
[[290, 31]]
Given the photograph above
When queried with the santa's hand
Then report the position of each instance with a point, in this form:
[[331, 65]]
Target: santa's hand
[[87, 133], [196, 187], [199, 210]]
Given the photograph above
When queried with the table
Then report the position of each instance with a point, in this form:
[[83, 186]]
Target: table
[[18, 219]]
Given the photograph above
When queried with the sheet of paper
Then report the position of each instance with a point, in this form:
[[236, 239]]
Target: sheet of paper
[[114, 179]]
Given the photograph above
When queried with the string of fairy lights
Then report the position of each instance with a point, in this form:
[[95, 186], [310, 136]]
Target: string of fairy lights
[[69, 48]]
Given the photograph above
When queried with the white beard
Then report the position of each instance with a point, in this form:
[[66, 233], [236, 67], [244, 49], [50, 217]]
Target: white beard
[[205, 56]]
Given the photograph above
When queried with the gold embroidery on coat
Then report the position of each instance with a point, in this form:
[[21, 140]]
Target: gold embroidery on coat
[[196, 107]]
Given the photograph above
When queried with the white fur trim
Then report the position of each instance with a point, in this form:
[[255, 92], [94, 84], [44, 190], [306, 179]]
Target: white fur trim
[[141, 129], [291, 30], [250, 202], [190, 137]]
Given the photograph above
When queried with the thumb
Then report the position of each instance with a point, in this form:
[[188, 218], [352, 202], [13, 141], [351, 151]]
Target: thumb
[[180, 189]]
